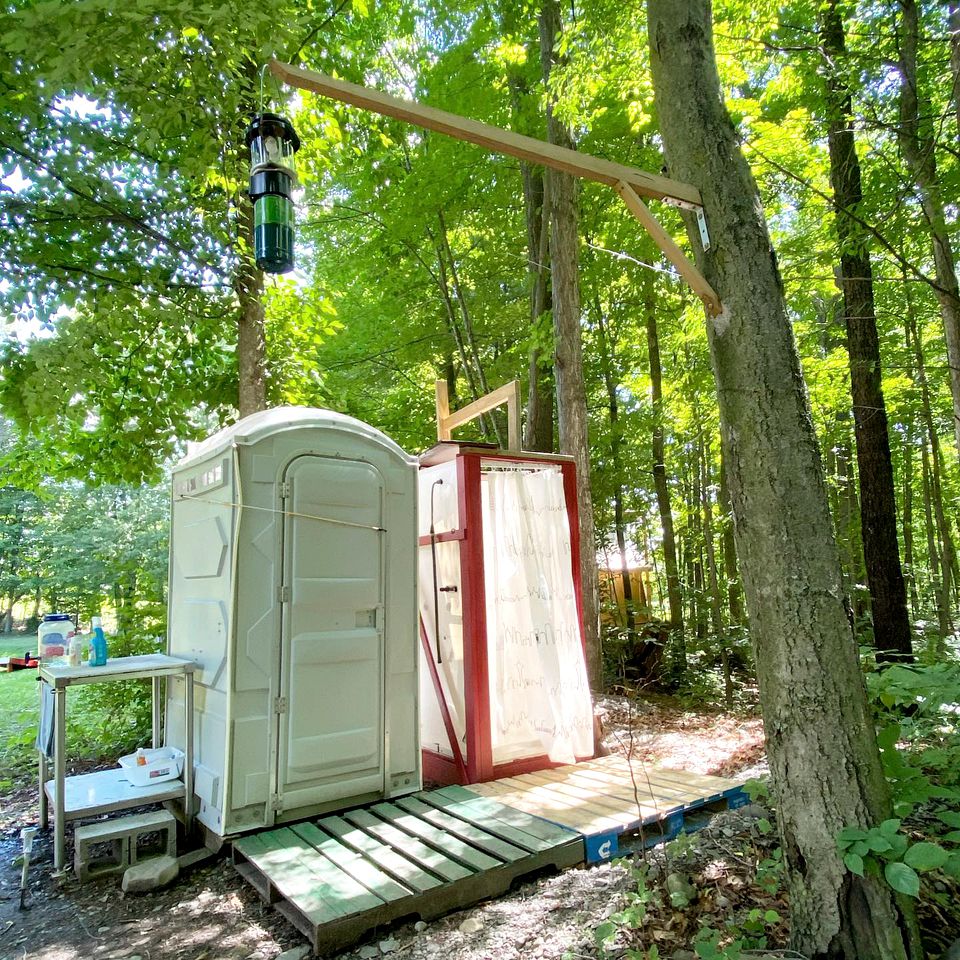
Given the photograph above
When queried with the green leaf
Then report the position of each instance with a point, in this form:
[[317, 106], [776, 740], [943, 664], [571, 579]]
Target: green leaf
[[950, 818], [604, 932], [850, 834], [889, 827], [771, 916], [877, 843], [854, 863], [903, 879], [952, 867], [925, 856], [952, 837]]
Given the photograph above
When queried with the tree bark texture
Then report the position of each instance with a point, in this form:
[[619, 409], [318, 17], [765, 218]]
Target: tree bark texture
[[917, 144], [878, 508], [251, 340], [572, 418], [819, 730]]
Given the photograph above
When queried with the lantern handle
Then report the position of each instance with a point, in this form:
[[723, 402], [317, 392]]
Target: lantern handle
[[263, 70]]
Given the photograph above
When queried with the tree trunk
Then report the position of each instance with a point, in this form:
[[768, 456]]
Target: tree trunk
[[730, 571], [878, 510], [942, 559], [660, 485], [917, 145], [909, 561], [619, 524], [538, 428], [571, 392], [819, 730], [953, 25]]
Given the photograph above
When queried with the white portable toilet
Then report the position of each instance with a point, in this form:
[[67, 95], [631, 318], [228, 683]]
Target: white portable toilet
[[293, 587]]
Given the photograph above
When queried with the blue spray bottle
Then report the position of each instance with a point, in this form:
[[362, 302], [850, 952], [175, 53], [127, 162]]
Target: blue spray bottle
[[98, 645]]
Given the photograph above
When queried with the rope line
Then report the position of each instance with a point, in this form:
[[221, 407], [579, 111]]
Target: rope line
[[285, 513]]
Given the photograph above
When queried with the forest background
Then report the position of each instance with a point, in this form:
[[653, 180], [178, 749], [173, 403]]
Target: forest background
[[135, 319]]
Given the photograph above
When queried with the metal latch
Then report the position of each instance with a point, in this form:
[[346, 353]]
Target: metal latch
[[284, 488], [280, 705], [283, 593], [276, 803]]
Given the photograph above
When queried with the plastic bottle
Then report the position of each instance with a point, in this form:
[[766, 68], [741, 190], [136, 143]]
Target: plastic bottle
[[75, 649], [98, 645], [141, 757]]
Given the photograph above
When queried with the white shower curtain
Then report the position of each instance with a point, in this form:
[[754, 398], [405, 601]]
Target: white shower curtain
[[539, 695]]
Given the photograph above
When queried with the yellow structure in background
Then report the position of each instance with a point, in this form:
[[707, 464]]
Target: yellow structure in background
[[613, 608]]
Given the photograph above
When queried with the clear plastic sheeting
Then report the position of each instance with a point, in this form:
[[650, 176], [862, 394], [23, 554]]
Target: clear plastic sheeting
[[439, 504], [539, 695]]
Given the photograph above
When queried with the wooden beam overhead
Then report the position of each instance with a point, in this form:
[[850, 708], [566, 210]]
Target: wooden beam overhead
[[495, 139], [671, 251]]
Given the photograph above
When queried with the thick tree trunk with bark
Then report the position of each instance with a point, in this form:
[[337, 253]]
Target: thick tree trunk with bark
[[918, 146], [820, 735], [878, 508], [660, 485], [251, 342], [571, 393]]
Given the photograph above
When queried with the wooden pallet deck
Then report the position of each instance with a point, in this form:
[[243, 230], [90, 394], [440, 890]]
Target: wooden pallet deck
[[613, 806], [421, 856]]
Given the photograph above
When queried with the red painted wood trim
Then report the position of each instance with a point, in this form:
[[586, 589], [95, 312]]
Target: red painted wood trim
[[472, 584], [439, 769], [514, 768], [442, 701], [426, 539], [569, 471]]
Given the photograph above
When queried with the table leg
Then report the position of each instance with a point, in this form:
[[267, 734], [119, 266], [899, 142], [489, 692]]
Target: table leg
[[156, 712], [60, 776], [188, 752], [43, 777]]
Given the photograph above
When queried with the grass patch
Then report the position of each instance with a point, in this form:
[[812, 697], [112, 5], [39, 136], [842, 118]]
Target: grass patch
[[103, 720]]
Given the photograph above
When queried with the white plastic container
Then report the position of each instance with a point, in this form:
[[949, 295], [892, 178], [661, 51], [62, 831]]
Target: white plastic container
[[163, 763], [52, 636]]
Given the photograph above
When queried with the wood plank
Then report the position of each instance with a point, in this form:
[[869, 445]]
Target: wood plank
[[489, 137], [543, 829], [563, 814], [554, 797], [594, 795], [661, 794], [441, 839], [487, 842], [385, 859], [666, 243], [349, 861], [418, 852], [707, 782], [316, 892], [485, 821]]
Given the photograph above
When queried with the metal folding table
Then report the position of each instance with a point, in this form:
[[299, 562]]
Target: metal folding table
[[106, 791]]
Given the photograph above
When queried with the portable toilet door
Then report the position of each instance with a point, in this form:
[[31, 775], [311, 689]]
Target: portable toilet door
[[331, 730]]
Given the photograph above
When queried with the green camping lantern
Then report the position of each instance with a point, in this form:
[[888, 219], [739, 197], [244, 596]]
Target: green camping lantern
[[272, 142]]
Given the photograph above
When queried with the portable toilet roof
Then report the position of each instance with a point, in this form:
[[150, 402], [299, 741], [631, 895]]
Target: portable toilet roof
[[293, 589]]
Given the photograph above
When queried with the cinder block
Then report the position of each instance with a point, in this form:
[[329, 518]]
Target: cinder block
[[124, 838]]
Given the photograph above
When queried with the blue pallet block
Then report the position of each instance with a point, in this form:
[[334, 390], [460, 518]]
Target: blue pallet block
[[602, 847], [737, 797]]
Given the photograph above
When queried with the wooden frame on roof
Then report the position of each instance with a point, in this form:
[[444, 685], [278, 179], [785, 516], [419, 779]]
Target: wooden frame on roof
[[630, 182]]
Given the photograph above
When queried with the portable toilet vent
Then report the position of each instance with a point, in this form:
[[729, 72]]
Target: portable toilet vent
[[293, 588], [503, 679]]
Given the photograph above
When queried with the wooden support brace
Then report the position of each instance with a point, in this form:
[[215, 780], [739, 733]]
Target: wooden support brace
[[495, 139], [509, 394], [668, 245]]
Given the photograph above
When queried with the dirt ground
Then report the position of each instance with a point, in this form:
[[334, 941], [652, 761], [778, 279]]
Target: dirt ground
[[211, 913]]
